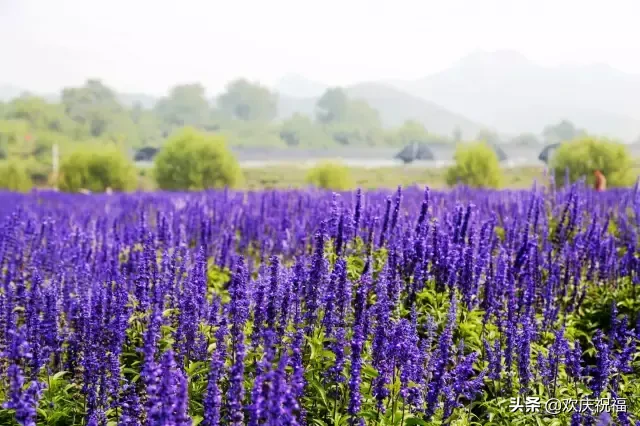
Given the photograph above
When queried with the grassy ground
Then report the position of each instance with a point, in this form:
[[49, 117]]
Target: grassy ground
[[370, 178], [388, 177]]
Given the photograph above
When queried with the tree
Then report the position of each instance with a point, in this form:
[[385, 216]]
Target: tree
[[456, 135], [526, 139], [583, 156], [97, 169], [476, 165], [561, 132], [191, 160], [40, 114], [489, 136], [186, 105], [300, 130], [96, 108], [249, 101], [332, 106], [361, 115], [148, 125], [15, 137], [14, 176], [334, 176], [411, 130]]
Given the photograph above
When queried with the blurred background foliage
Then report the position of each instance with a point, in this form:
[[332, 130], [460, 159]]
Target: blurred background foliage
[[92, 123]]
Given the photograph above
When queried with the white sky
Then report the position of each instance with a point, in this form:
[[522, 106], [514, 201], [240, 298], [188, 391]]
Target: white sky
[[149, 45]]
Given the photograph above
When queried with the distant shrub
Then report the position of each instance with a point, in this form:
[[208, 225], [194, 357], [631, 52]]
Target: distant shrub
[[192, 160], [97, 169], [329, 175], [583, 156], [14, 176], [476, 165]]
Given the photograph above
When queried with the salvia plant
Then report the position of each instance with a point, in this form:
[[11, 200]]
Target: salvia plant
[[409, 307]]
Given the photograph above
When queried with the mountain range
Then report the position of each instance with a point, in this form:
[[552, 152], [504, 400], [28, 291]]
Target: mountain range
[[502, 91], [505, 91], [394, 106]]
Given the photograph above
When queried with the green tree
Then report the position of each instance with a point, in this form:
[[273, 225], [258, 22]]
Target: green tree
[[526, 139], [186, 105], [96, 169], [300, 130], [239, 133], [249, 101], [332, 106], [41, 115], [562, 132], [456, 135], [148, 125], [489, 136], [328, 175], [583, 156], [362, 115], [476, 165], [15, 137], [14, 176], [191, 160], [96, 108], [411, 130]]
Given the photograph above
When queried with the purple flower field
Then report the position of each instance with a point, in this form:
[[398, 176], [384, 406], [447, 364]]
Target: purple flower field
[[411, 307]]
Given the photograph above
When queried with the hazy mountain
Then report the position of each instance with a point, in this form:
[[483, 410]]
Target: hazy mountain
[[394, 106], [507, 91]]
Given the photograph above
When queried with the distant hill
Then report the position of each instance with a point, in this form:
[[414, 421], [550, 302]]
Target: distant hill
[[507, 91], [394, 106]]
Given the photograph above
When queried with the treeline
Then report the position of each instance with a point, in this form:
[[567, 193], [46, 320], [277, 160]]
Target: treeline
[[94, 117], [195, 160], [246, 114]]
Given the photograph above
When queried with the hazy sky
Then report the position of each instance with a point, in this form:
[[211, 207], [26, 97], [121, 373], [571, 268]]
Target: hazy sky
[[148, 45]]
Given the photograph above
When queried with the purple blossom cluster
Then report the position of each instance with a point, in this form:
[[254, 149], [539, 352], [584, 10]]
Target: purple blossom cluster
[[306, 307]]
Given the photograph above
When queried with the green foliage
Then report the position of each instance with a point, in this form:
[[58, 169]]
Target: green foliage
[[186, 105], [248, 101], [191, 160], [96, 109], [300, 130], [251, 134], [410, 131], [329, 175], [96, 170], [582, 157], [488, 136], [332, 106], [476, 165], [561, 132], [14, 176], [41, 115], [526, 139]]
